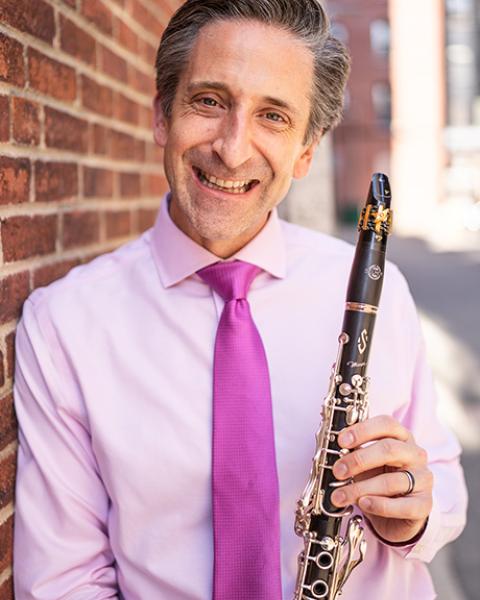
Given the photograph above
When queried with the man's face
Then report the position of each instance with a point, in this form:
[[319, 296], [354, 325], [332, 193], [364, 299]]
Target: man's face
[[236, 134]]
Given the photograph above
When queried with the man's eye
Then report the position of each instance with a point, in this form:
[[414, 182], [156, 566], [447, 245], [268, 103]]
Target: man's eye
[[209, 102], [273, 116]]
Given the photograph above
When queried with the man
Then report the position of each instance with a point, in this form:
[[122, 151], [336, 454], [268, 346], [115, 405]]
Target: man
[[114, 374]]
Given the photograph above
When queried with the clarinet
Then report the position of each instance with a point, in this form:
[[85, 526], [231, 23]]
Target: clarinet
[[333, 538]]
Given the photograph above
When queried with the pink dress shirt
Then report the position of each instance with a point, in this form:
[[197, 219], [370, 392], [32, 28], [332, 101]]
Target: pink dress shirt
[[113, 392]]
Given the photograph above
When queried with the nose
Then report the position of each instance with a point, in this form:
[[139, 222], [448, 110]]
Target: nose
[[233, 142]]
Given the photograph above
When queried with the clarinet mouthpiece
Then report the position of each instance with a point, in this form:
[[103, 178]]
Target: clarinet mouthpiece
[[380, 190]]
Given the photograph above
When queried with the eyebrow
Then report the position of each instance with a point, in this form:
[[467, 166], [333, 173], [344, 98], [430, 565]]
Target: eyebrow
[[221, 87]]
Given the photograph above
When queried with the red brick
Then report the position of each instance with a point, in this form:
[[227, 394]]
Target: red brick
[[10, 342], [146, 117], [45, 275], [156, 185], [140, 150], [2, 371], [146, 218], [26, 121], [7, 479], [51, 77], [146, 18], [127, 37], [65, 132], [97, 182], [12, 68], [24, 237], [126, 109], [77, 42], [123, 146], [129, 184], [154, 153], [6, 589], [14, 180], [8, 421], [98, 14], [113, 65], [89, 257], [141, 82], [80, 229], [4, 119], [148, 52], [6, 543], [14, 290], [55, 181], [36, 18], [100, 139], [118, 224], [96, 97]]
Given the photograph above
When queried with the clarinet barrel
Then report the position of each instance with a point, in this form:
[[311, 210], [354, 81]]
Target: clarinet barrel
[[333, 538]]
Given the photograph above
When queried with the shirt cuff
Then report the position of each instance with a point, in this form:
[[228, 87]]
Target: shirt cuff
[[424, 545]]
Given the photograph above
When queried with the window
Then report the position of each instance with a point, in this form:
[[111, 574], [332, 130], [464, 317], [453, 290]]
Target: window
[[340, 31], [463, 62], [382, 102], [380, 37]]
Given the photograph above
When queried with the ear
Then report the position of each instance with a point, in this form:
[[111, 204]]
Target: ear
[[160, 123], [303, 162]]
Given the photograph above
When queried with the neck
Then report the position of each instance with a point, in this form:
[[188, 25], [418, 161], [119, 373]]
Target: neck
[[222, 247]]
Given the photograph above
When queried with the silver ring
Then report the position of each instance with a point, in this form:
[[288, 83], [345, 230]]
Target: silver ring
[[411, 482]]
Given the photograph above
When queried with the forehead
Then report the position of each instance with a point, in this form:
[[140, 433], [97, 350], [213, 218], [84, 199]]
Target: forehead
[[252, 59]]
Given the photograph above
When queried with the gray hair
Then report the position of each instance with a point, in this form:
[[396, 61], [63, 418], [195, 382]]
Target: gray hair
[[305, 19]]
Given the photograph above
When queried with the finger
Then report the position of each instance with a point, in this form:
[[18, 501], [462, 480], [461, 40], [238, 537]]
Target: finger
[[414, 507], [387, 452], [376, 428], [388, 484]]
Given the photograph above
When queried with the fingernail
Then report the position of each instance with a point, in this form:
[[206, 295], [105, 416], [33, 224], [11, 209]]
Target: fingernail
[[346, 439], [365, 503], [341, 468], [339, 498]]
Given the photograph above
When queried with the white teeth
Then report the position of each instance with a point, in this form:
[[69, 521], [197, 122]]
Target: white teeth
[[237, 187]]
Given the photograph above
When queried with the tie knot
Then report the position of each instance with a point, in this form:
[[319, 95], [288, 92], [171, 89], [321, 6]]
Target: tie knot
[[231, 280]]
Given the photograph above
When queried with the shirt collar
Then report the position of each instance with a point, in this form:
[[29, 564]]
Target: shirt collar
[[178, 257]]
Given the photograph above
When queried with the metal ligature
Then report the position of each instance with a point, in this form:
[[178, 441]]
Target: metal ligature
[[333, 538]]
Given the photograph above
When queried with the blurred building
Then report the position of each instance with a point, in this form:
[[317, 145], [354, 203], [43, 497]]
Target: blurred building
[[412, 110], [362, 141], [462, 134]]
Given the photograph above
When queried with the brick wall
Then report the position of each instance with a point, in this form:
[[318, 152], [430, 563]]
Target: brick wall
[[79, 173]]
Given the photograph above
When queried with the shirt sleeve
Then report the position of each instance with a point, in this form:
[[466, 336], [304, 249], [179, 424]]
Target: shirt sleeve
[[420, 416], [61, 544]]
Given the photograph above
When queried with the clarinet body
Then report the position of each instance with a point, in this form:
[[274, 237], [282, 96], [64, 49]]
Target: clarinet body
[[333, 538]]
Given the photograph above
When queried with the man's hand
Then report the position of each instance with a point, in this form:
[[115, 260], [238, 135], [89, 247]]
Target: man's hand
[[379, 486]]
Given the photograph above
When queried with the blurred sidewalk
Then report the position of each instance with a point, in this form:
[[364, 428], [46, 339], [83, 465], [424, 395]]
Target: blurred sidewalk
[[444, 277]]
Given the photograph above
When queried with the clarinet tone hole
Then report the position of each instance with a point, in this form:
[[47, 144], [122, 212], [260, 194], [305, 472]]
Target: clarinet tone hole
[[324, 560], [319, 589]]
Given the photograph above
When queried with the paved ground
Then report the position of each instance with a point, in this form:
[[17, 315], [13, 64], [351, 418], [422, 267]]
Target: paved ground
[[446, 287]]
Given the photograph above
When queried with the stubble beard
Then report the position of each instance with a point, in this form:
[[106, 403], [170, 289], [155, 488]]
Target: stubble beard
[[214, 220]]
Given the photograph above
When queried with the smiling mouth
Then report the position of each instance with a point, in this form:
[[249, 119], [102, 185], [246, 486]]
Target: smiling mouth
[[225, 185]]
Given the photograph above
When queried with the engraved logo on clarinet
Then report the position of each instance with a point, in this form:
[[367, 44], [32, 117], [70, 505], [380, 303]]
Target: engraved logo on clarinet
[[356, 365], [363, 341], [374, 272]]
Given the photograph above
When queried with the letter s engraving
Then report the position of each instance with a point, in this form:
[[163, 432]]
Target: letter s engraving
[[363, 341]]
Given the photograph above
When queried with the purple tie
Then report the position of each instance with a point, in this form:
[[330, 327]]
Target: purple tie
[[246, 521]]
